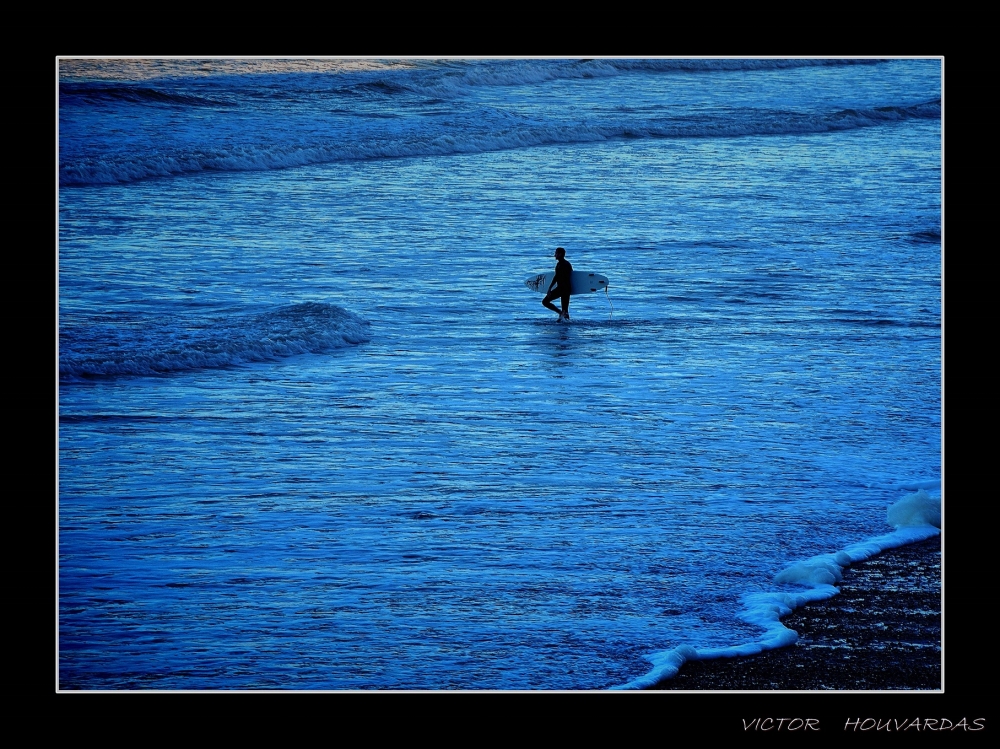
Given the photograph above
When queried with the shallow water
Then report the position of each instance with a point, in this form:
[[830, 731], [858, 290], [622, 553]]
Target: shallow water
[[315, 432]]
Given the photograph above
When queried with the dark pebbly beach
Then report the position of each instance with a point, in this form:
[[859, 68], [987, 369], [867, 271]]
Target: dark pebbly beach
[[881, 632]]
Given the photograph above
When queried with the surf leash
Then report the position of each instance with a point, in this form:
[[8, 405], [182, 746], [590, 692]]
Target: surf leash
[[609, 301]]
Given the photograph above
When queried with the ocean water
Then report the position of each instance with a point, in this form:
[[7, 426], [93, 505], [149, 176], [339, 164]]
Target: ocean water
[[315, 432]]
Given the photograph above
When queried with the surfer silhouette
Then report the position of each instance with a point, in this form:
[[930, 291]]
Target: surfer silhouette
[[562, 284]]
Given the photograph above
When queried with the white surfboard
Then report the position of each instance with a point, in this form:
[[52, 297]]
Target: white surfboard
[[582, 282]]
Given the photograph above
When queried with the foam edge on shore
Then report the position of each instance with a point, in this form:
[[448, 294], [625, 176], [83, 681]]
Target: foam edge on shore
[[916, 517]]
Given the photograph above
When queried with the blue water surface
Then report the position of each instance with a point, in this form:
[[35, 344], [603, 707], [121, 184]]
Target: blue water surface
[[315, 433]]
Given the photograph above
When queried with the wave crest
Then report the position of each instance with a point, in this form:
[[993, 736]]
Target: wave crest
[[136, 348]]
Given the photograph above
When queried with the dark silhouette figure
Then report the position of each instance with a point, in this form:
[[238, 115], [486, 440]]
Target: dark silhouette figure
[[562, 284]]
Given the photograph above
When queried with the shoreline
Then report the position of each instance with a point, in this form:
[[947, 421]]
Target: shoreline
[[881, 632]]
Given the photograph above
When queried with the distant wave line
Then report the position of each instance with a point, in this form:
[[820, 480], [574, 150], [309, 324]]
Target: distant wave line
[[104, 93], [447, 142], [443, 77]]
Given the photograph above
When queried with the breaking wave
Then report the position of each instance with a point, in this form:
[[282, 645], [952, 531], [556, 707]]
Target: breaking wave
[[110, 347]]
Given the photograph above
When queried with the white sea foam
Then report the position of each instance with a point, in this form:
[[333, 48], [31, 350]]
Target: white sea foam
[[916, 517], [916, 510]]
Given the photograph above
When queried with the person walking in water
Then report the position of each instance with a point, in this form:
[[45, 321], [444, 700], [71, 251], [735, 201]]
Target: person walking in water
[[562, 284]]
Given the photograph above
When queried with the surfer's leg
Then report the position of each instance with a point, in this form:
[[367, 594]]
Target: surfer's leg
[[547, 301], [565, 307]]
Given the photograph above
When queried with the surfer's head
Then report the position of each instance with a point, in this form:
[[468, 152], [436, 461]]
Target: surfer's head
[[560, 253]]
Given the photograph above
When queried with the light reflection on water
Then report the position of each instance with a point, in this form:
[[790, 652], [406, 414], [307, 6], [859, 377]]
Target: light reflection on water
[[479, 497]]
